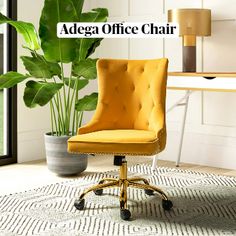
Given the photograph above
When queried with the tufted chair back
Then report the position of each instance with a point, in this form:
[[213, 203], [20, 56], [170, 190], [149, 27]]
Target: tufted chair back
[[131, 95]]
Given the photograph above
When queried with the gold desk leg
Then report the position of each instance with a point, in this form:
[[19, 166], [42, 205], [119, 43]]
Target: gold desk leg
[[107, 180], [150, 187], [99, 186], [134, 179]]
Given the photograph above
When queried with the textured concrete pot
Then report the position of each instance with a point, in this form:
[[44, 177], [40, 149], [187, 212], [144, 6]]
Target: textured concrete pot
[[59, 160]]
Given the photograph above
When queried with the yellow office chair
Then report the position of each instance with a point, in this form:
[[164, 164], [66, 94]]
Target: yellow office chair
[[129, 120]]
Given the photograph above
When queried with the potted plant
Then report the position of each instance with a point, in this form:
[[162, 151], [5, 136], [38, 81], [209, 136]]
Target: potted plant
[[57, 70]]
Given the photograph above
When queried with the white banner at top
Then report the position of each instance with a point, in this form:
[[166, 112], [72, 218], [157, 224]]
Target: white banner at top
[[117, 30]]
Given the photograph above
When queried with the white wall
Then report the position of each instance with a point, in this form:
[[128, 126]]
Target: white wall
[[211, 120]]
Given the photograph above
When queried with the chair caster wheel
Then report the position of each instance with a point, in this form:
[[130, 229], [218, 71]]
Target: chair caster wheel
[[167, 204], [98, 192], [79, 204], [149, 192], [125, 214]]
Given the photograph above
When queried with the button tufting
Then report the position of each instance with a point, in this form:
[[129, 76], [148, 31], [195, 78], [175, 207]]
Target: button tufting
[[124, 108], [140, 106], [116, 88], [132, 87], [104, 103]]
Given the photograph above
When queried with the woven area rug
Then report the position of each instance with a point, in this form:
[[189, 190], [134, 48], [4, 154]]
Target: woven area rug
[[204, 204]]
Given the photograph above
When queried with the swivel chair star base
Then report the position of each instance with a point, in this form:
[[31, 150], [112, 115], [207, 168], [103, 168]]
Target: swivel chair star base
[[123, 183]]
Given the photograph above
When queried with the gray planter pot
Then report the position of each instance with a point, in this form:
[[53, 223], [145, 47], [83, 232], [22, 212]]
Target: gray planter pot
[[59, 160]]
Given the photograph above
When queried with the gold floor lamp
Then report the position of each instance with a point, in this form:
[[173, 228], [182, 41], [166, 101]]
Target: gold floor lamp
[[192, 23]]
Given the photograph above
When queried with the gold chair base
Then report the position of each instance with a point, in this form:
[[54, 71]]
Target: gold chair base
[[123, 183]]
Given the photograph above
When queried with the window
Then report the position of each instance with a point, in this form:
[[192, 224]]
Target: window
[[8, 97]]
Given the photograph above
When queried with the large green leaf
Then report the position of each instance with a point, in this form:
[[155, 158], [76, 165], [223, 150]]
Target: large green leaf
[[87, 103], [78, 4], [87, 46], [26, 29], [96, 15], [10, 79], [81, 83], [38, 67], [93, 45], [54, 67], [40, 93], [86, 68], [57, 49]]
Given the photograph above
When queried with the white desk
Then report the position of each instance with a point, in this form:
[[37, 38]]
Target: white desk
[[225, 82], [199, 81]]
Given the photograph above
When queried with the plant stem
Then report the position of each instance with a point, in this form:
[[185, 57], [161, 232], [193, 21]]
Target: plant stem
[[54, 118], [68, 102], [59, 110], [77, 119], [80, 118], [52, 110], [77, 115], [64, 96], [62, 112], [51, 118], [73, 123], [75, 111], [73, 102], [62, 70], [60, 124], [76, 99]]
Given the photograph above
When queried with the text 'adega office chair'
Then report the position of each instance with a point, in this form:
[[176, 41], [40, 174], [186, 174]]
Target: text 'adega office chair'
[[129, 120]]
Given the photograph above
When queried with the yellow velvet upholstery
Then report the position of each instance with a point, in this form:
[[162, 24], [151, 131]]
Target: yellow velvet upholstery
[[130, 115]]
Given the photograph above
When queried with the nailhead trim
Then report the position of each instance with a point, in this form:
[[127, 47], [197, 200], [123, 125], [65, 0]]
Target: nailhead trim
[[161, 132]]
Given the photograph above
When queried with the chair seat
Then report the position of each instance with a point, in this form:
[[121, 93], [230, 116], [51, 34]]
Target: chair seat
[[127, 141]]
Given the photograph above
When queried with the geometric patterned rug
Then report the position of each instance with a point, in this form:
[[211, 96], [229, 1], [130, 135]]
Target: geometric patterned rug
[[204, 204]]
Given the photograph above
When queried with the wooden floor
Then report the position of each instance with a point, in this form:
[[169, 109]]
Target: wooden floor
[[22, 177]]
